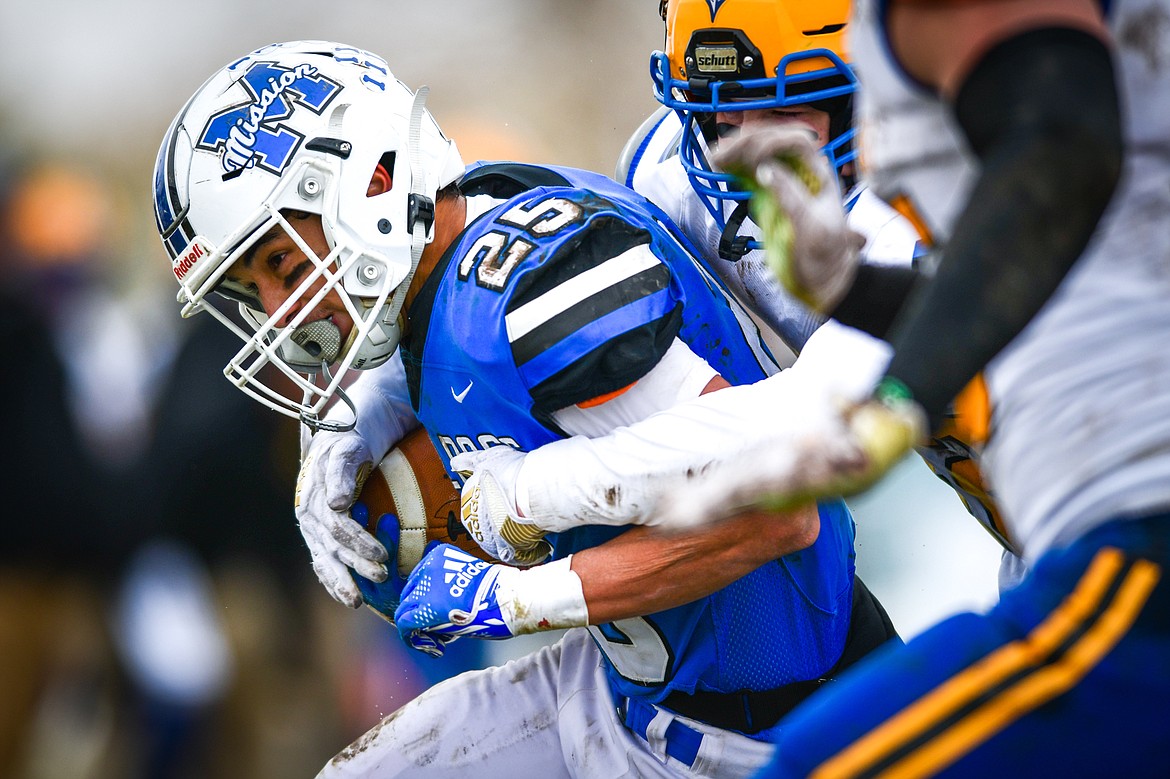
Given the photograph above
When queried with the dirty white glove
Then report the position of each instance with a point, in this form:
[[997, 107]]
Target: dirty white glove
[[334, 467], [838, 449], [489, 509], [332, 474], [796, 201]]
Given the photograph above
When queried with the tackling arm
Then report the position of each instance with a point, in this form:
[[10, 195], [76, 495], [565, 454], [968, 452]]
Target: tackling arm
[[624, 477], [1040, 111], [643, 571], [621, 477]]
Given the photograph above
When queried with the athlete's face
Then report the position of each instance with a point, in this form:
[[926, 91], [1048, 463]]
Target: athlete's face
[[275, 265], [812, 118]]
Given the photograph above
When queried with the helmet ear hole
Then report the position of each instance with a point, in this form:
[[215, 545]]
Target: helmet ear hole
[[383, 174]]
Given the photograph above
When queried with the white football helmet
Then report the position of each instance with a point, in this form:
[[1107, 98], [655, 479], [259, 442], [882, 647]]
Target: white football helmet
[[302, 126]]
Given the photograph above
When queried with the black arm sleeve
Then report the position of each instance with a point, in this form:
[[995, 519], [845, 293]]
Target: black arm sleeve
[[876, 296], [1041, 113]]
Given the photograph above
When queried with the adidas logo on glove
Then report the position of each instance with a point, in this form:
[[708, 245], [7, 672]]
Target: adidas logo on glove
[[460, 569]]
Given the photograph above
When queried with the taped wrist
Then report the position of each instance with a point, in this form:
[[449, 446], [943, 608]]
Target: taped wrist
[[1040, 111], [547, 597]]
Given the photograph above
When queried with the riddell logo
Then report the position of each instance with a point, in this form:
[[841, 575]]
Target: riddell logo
[[194, 252], [724, 59]]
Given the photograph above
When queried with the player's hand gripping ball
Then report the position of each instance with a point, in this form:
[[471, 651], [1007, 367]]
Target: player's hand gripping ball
[[333, 468], [408, 503], [489, 507]]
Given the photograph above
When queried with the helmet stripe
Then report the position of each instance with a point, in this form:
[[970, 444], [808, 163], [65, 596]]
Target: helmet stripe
[[169, 213]]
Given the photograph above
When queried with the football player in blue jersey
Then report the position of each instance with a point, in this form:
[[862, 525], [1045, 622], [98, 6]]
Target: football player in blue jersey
[[528, 303], [782, 68]]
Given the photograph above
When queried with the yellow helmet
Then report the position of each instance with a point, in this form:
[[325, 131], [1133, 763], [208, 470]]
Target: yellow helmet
[[732, 41], [743, 55]]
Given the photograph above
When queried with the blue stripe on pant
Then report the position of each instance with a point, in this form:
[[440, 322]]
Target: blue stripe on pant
[[682, 741]]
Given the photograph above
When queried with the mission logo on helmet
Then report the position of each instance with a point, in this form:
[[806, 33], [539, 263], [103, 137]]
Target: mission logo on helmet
[[411, 484]]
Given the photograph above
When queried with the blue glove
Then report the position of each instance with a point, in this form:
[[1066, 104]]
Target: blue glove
[[381, 597], [450, 594]]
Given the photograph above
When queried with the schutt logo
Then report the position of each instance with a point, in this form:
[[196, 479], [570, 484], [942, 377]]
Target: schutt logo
[[720, 60]]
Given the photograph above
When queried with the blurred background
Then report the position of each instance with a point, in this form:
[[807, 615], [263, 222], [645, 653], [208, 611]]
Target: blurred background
[[158, 616]]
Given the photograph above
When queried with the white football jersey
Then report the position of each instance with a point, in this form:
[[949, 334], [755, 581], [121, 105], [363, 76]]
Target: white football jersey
[[657, 174], [1078, 406]]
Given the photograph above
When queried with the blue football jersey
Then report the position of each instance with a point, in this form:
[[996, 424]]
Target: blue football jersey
[[570, 289]]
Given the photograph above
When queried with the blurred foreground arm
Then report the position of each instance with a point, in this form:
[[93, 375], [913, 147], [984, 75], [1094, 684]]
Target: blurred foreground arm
[[1040, 112], [621, 478]]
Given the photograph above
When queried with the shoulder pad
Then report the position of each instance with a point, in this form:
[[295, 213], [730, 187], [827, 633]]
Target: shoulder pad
[[508, 179]]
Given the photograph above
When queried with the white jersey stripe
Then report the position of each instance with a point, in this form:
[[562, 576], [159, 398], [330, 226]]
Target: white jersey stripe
[[610, 273]]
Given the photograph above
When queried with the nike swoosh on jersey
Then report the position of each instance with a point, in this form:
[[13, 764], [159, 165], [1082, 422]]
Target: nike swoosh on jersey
[[459, 398]]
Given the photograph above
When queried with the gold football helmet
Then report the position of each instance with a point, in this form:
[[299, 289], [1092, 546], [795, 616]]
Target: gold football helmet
[[743, 55]]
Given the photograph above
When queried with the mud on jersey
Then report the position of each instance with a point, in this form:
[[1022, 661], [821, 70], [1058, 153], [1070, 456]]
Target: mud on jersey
[[570, 289]]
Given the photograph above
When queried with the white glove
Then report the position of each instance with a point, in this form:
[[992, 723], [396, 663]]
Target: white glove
[[796, 202], [489, 509], [332, 474], [834, 454]]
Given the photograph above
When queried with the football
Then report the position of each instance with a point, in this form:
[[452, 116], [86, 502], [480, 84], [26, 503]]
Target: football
[[411, 484]]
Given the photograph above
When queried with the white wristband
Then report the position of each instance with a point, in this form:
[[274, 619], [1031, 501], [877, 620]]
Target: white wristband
[[545, 597]]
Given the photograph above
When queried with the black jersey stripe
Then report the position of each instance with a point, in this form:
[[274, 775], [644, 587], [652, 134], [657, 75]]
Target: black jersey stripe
[[594, 278], [602, 238], [619, 362], [569, 320], [615, 361]]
